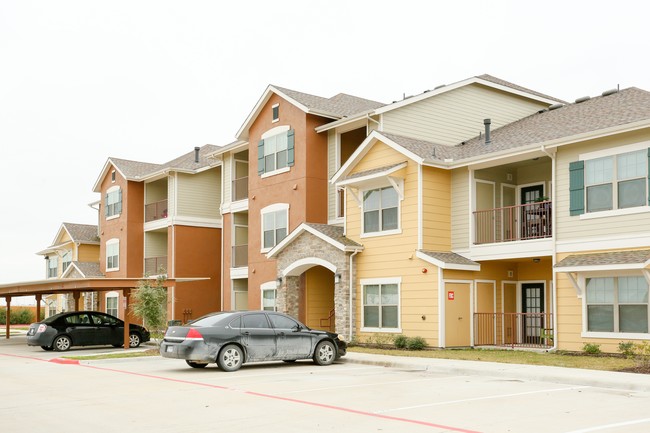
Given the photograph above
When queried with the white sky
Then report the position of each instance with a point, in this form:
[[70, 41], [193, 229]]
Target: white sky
[[81, 81]]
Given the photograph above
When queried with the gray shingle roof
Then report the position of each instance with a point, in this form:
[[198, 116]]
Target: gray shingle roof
[[136, 169], [449, 257], [335, 233], [373, 171], [505, 83], [89, 269], [84, 233], [340, 105], [602, 259], [627, 106], [425, 149]]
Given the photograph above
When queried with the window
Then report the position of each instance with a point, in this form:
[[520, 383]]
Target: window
[[617, 304], [609, 182], [255, 321], [52, 267], [113, 255], [275, 109], [113, 201], [275, 223], [269, 293], [240, 294], [275, 152], [381, 304], [283, 322], [113, 176], [111, 303], [67, 259], [380, 210]]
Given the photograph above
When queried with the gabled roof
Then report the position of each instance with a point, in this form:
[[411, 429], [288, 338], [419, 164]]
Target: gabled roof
[[139, 171], [333, 235], [336, 107], [639, 259], [85, 269], [448, 260], [79, 233]]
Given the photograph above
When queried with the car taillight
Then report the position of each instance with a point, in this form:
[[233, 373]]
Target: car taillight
[[41, 328], [193, 334]]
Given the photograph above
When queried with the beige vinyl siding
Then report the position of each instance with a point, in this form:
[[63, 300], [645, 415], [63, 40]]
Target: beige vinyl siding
[[156, 191], [574, 228], [460, 220], [171, 195], [227, 167], [155, 244], [199, 195], [458, 114], [436, 209], [331, 169]]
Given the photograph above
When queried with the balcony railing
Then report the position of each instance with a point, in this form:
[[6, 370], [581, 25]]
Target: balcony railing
[[239, 256], [155, 265], [514, 330], [155, 211], [240, 189], [513, 223]]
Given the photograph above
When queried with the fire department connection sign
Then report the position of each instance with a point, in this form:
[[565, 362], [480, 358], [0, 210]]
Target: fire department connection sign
[[451, 295]]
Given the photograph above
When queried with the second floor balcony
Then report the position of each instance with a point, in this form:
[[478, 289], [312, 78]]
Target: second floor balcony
[[155, 265], [240, 189], [513, 223], [239, 256], [155, 211]]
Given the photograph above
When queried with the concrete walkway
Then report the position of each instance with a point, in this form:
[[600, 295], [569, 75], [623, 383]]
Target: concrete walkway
[[571, 376]]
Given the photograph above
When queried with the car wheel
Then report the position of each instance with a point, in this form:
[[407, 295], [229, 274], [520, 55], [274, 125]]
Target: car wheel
[[62, 343], [230, 358], [134, 340], [47, 348], [325, 353], [196, 364]]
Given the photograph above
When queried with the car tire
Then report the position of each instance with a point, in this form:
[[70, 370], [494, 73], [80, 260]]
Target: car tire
[[325, 353], [47, 348], [62, 343], [230, 358], [134, 340], [196, 364]]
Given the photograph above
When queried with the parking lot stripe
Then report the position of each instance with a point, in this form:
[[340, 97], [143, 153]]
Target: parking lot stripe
[[368, 384], [610, 426]]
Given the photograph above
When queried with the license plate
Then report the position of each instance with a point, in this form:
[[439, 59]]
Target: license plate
[[169, 349]]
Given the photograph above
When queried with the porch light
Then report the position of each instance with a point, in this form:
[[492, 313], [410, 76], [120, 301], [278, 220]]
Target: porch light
[[278, 282], [337, 278]]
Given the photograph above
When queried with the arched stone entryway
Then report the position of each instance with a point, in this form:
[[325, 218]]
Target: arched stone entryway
[[316, 262]]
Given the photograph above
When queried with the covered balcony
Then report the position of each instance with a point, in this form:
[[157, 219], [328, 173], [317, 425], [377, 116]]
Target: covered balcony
[[155, 205], [155, 252], [240, 176], [513, 223]]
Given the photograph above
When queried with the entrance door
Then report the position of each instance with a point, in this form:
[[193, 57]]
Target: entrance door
[[485, 223], [532, 300], [530, 216], [510, 313], [484, 320], [457, 315]]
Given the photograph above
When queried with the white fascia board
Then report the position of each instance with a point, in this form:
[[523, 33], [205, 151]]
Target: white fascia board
[[596, 268], [232, 147], [344, 121], [305, 228], [102, 175], [362, 179], [443, 265]]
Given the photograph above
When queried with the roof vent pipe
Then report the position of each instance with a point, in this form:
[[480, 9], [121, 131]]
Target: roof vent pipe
[[487, 123], [196, 154]]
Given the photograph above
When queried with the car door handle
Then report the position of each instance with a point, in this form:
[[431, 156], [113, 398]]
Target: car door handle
[[246, 333]]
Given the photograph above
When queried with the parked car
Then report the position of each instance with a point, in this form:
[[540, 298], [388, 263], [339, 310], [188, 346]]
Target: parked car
[[83, 328], [233, 338]]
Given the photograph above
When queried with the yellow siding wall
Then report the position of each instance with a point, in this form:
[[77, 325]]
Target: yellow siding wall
[[319, 283], [199, 195], [460, 209], [436, 209], [88, 253]]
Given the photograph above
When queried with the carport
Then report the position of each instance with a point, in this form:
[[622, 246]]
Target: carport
[[76, 286]]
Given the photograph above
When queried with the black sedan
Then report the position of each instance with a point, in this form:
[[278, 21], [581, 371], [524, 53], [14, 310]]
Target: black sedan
[[83, 328], [233, 338]]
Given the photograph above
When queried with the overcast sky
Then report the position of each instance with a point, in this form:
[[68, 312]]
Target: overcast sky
[[81, 81]]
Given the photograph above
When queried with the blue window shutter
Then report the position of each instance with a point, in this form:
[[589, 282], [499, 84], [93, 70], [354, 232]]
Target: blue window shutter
[[118, 205], [106, 206], [260, 157], [577, 188], [290, 146]]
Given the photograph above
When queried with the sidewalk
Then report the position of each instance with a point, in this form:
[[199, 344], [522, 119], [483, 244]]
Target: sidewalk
[[571, 376]]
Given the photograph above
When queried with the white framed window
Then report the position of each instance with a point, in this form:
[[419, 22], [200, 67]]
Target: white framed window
[[112, 299], [52, 267], [113, 255], [66, 260], [616, 181], [617, 304], [381, 211], [269, 294], [239, 294], [381, 304], [275, 151], [275, 113], [113, 202], [113, 176], [275, 225]]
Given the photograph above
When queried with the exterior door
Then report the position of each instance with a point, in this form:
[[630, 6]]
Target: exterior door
[[510, 313], [484, 320], [532, 299], [530, 227], [457, 315], [485, 222]]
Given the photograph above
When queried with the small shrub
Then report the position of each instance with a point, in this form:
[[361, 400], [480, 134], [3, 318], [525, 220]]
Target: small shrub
[[19, 316], [642, 354], [415, 343], [380, 340], [591, 348], [626, 348], [400, 341]]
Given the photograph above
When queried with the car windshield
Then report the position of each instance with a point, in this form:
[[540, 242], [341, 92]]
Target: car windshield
[[212, 319]]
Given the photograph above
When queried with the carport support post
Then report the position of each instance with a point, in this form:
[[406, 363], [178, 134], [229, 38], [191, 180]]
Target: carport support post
[[38, 308], [8, 320], [127, 298], [77, 300]]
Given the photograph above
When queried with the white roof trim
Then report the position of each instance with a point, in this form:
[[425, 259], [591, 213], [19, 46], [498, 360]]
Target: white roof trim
[[376, 175], [445, 265], [305, 228], [605, 267], [109, 162]]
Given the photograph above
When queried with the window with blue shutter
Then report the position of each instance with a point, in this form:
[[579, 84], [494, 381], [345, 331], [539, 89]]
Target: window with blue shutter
[[276, 152], [577, 188]]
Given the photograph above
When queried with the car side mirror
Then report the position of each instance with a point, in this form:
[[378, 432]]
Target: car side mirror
[[297, 328]]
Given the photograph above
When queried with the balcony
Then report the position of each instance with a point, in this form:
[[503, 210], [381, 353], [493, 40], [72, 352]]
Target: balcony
[[513, 223], [240, 189], [155, 211], [155, 265], [239, 256], [514, 330]]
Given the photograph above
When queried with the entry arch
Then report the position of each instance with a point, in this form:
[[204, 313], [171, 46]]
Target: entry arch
[[300, 266]]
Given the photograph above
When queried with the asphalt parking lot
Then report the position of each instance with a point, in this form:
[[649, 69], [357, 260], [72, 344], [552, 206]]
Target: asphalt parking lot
[[43, 392]]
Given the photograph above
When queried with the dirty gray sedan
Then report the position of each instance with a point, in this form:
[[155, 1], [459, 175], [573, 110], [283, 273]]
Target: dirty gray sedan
[[233, 338]]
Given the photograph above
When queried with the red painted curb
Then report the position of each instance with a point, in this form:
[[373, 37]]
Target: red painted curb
[[64, 361]]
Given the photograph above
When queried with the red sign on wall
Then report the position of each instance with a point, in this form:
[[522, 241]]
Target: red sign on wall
[[450, 295]]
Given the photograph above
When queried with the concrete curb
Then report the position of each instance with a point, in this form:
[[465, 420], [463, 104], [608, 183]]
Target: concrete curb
[[570, 376]]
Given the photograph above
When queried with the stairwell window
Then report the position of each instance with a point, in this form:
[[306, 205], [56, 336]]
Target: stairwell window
[[113, 255], [113, 202], [381, 304], [111, 303], [617, 304], [52, 267], [275, 224], [380, 210], [269, 293], [275, 151]]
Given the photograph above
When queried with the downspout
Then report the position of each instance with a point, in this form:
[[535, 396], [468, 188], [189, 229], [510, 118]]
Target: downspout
[[350, 287], [223, 191], [554, 246]]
